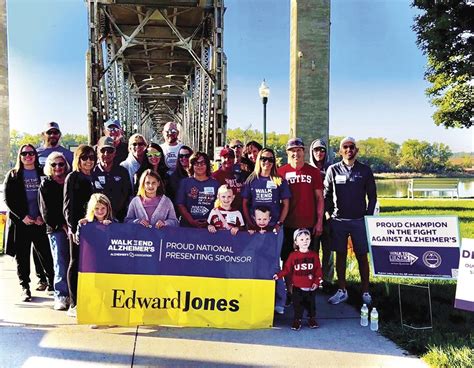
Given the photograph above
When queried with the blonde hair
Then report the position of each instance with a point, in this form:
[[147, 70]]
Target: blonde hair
[[224, 188], [98, 198], [135, 137], [48, 169], [257, 171]]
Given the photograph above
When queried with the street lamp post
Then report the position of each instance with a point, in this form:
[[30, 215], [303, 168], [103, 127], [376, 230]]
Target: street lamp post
[[264, 92]]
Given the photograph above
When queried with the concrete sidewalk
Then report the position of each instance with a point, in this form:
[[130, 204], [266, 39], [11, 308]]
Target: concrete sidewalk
[[34, 335]]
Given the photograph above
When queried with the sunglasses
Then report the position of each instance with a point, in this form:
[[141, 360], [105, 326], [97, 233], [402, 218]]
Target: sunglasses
[[134, 144], [184, 155], [269, 159], [350, 146], [27, 153], [113, 129], [171, 131], [87, 157], [237, 146], [107, 150], [320, 149], [58, 164], [153, 154], [200, 163], [52, 132]]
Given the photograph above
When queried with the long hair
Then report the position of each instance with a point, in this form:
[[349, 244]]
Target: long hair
[[196, 156], [180, 170], [257, 171], [162, 168], [19, 165], [82, 150], [48, 169], [141, 186], [98, 198], [224, 188], [250, 144]]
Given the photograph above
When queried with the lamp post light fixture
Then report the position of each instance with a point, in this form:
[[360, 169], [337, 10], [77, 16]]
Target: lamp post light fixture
[[264, 92]]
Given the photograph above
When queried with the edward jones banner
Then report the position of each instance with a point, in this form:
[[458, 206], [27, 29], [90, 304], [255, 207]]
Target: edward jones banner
[[414, 246], [132, 275]]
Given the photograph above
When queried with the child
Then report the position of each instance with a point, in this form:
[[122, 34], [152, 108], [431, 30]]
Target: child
[[222, 216], [305, 269], [99, 209], [262, 218], [151, 208]]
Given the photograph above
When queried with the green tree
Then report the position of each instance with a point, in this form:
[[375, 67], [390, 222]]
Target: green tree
[[445, 34], [424, 157], [380, 154]]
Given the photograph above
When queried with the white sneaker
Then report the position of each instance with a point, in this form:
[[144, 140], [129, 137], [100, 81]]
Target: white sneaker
[[72, 311], [367, 298], [279, 309], [60, 303], [339, 297]]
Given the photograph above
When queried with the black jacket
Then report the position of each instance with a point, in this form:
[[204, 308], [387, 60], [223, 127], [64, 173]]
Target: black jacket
[[78, 189], [50, 199]]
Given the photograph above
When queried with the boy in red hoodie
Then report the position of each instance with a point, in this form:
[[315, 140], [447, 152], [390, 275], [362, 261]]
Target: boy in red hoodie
[[304, 267]]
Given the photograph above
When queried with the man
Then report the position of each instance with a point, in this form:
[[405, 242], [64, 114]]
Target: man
[[306, 202], [231, 175], [318, 158], [346, 187], [51, 138], [238, 148], [136, 153], [113, 129], [111, 180], [171, 146]]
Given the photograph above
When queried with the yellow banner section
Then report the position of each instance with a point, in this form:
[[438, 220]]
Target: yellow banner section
[[130, 300]]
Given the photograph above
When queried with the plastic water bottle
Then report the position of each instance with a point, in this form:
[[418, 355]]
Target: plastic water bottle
[[364, 315], [374, 320]]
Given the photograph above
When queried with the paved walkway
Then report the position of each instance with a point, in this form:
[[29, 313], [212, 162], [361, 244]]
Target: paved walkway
[[34, 335]]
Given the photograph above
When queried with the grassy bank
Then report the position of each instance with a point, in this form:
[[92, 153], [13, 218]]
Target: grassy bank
[[451, 341]]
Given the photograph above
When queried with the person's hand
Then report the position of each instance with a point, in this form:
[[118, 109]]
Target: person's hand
[[64, 227], [234, 230], [262, 231], [159, 224], [144, 222], [28, 220], [83, 221], [276, 228], [313, 287], [106, 222], [318, 229], [251, 232], [275, 277], [212, 229], [202, 223], [75, 238], [39, 221]]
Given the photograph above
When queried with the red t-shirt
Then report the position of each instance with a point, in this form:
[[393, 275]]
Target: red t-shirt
[[303, 183], [304, 268], [226, 177]]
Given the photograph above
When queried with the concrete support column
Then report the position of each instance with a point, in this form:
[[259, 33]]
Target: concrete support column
[[309, 69], [4, 116]]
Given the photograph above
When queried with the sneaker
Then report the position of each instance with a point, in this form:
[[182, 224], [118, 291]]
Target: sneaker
[[42, 286], [339, 297], [312, 323], [25, 295], [288, 300], [60, 303], [296, 326], [367, 298], [72, 311], [50, 290], [94, 327], [279, 309]]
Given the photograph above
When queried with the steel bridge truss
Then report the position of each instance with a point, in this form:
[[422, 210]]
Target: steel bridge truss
[[154, 61]]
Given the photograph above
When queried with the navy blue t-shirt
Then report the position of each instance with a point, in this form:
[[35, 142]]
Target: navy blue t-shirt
[[32, 182]]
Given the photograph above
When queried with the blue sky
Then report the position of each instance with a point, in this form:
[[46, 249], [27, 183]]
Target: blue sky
[[377, 86]]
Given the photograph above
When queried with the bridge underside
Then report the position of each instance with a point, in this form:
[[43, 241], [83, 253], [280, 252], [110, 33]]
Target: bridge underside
[[154, 61]]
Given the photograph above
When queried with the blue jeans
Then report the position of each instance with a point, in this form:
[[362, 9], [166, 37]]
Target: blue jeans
[[60, 250]]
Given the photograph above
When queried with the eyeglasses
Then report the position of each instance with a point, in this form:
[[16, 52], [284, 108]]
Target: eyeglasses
[[200, 163], [350, 146], [321, 149], [153, 154], [237, 146], [269, 159], [107, 150], [58, 164], [27, 153], [52, 132], [184, 155], [113, 129], [134, 144], [171, 131], [87, 157]]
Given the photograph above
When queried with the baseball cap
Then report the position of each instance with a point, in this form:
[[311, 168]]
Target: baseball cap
[[319, 143], [295, 143], [51, 125], [299, 232], [106, 142], [226, 152], [347, 140], [111, 122]]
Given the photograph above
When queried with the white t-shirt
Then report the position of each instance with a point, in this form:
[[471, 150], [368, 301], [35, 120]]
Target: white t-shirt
[[171, 155]]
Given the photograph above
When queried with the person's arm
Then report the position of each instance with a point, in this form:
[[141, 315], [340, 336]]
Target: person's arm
[[318, 228], [68, 203], [10, 197], [285, 206], [43, 206], [171, 219], [329, 191], [132, 215], [371, 190], [188, 218], [245, 208]]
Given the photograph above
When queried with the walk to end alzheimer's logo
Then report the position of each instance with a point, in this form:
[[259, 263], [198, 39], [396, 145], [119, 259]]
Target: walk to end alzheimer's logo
[[131, 248], [402, 258]]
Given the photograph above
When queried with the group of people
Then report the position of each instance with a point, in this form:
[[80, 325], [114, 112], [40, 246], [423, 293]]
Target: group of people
[[51, 193]]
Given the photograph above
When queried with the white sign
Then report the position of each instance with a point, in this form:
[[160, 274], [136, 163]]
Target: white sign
[[464, 289]]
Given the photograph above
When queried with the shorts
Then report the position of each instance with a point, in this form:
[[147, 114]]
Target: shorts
[[340, 231]]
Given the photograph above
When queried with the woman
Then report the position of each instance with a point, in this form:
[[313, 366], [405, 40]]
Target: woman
[[51, 207], [251, 151], [78, 189], [181, 172], [197, 194], [151, 208], [25, 224], [154, 160]]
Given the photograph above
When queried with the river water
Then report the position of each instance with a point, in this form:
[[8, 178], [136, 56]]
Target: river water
[[397, 188]]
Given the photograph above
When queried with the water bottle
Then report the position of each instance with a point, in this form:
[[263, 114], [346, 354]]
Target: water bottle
[[374, 320], [364, 315]]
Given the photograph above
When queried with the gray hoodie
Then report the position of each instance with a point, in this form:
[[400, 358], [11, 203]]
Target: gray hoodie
[[312, 161]]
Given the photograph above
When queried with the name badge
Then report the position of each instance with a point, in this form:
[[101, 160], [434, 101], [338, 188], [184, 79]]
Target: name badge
[[271, 185], [231, 218], [340, 179], [101, 179], [98, 185], [290, 175], [209, 190]]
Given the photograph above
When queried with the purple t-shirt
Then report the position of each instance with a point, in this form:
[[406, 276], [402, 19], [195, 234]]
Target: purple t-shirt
[[264, 192], [32, 181], [150, 204], [197, 196]]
